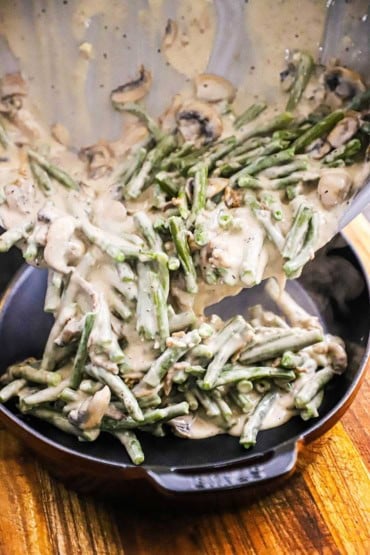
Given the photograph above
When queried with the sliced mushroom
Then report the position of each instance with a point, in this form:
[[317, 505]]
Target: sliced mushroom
[[334, 187], [344, 130], [197, 120], [318, 149], [168, 118], [213, 88], [232, 198], [134, 90], [216, 185], [343, 83], [98, 159], [170, 33], [288, 74], [12, 91], [91, 411], [61, 134], [338, 355]]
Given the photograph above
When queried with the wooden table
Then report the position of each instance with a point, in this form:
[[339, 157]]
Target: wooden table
[[324, 508]]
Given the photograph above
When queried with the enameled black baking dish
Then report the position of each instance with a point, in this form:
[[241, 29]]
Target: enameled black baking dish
[[333, 286]]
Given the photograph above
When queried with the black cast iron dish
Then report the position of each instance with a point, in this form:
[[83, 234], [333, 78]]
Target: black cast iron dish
[[333, 286]]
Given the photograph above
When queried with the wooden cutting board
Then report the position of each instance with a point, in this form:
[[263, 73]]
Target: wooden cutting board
[[323, 509]]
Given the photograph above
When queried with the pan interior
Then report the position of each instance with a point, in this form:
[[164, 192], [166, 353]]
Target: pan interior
[[332, 287]]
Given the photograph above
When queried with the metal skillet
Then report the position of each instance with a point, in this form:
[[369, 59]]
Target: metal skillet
[[175, 466]]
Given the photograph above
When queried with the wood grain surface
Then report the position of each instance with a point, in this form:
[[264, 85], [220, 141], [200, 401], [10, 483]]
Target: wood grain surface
[[323, 509]]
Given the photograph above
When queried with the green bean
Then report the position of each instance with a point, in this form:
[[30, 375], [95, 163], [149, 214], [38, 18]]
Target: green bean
[[244, 386], [179, 236], [117, 248], [181, 321], [199, 190], [131, 444], [321, 128], [236, 373], [118, 388], [54, 171], [216, 341], [254, 422], [9, 238], [296, 236], [311, 408], [149, 401], [46, 395], [262, 163], [138, 183], [291, 360], [250, 114], [179, 346], [264, 217], [315, 382], [53, 291], [160, 306], [281, 121], [303, 73], [210, 406], [168, 183], [225, 410], [295, 341], [360, 102], [35, 375], [146, 321], [82, 351], [273, 204], [294, 265], [11, 389], [226, 349], [242, 401], [125, 272], [133, 165], [57, 419], [275, 172], [344, 152], [200, 233], [42, 178], [191, 400], [4, 139], [153, 416], [137, 110]]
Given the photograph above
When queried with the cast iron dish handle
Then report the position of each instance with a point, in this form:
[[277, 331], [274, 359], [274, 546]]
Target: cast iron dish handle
[[281, 463]]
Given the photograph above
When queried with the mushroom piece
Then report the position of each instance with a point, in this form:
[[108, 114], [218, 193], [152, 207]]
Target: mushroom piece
[[181, 426], [91, 411], [12, 91], [288, 74], [168, 118], [98, 159], [318, 149], [197, 120], [216, 185], [232, 198], [170, 33], [134, 90], [213, 88], [334, 187], [343, 83], [344, 130]]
